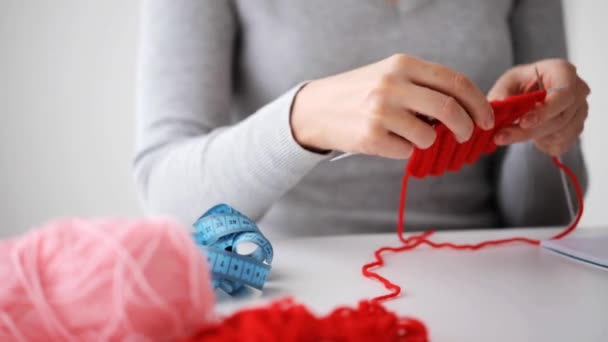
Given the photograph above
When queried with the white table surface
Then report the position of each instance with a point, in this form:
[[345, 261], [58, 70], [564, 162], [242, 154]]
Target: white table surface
[[510, 293]]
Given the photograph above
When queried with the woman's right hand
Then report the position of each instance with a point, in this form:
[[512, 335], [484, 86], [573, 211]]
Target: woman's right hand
[[372, 110]]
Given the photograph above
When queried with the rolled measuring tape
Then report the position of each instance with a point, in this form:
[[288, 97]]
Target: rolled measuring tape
[[218, 233]]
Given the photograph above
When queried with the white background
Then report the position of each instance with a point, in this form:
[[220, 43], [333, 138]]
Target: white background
[[66, 107]]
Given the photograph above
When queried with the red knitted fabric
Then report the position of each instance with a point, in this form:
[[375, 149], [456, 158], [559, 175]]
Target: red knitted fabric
[[448, 155]]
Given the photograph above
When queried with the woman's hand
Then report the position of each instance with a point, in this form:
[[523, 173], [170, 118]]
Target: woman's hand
[[373, 109], [554, 126]]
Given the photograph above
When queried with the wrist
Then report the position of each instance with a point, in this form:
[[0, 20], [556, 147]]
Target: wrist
[[305, 128]]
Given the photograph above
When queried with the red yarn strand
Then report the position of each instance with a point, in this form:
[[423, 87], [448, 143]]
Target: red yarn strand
[[417, 240], [579, 197], [507, 112]]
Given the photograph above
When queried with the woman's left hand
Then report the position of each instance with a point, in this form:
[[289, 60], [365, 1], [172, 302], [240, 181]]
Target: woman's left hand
[[555, 125]]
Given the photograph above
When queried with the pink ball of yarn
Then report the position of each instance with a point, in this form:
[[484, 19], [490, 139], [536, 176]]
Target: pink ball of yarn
[[81, 280]]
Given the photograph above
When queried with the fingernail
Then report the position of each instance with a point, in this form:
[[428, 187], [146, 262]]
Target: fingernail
[[489, 123], [502, 138], [529, 121]]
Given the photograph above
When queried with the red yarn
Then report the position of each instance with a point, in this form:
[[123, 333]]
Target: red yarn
[[447, 155], [287, 321]]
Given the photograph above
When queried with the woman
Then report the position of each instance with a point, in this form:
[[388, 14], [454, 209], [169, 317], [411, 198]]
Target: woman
[[242, 102]]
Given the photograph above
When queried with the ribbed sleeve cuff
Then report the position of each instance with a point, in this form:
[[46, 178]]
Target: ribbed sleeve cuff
[[290, 154], [278, 154]]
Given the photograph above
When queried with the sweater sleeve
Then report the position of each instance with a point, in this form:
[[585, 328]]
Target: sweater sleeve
[[530, 191], [188, 155]]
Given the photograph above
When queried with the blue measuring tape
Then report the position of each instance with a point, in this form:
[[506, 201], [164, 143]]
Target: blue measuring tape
[[218, 233]]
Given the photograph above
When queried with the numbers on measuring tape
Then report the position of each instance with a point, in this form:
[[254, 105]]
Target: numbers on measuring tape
[[218, 233]]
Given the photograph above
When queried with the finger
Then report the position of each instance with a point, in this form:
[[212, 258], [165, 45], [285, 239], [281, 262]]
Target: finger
[[509, 84], [453, 84], [584, 87], [512, 135], [561, 141], [405, 124], [515, 134], [394, 147], [556, 101], [559, 122], [444, 108]]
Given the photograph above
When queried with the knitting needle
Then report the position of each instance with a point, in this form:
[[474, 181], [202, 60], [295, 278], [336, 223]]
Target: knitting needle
[[563, 177], [567, 191], [343, 156]]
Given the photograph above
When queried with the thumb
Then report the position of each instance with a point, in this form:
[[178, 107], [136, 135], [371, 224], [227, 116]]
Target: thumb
[[513, 82], [499, 91]]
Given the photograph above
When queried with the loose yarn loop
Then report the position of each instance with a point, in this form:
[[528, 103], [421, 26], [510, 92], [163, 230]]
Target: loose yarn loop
[[81, 280], [447, 155], [287, 321]]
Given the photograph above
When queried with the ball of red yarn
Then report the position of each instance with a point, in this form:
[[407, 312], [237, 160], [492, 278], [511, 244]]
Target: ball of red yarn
[[288, 321], [81, 280]]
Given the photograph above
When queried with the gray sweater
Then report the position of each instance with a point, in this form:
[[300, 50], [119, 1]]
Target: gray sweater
[[217, 79]]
